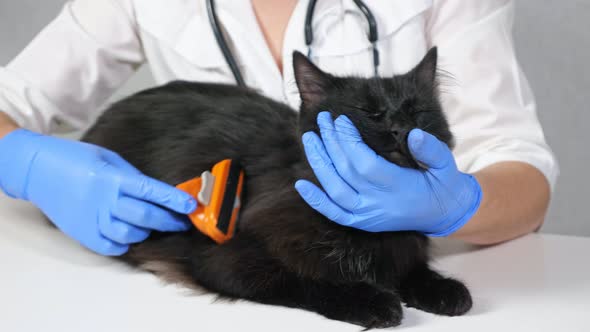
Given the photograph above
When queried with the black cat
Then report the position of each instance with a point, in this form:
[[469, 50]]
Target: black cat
[[284, 252]]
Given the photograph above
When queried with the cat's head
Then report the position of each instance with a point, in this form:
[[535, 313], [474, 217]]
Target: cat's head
[[384, 110]]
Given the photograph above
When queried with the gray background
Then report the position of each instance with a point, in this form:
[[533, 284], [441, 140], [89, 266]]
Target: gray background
[[554, 49]]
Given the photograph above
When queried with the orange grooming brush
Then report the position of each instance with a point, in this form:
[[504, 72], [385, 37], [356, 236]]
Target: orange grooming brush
[[218, 195]]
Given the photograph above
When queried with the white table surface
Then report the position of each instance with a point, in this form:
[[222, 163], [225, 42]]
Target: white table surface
[[49, 283]]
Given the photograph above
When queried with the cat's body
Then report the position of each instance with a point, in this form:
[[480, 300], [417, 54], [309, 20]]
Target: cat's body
[[284, 252]]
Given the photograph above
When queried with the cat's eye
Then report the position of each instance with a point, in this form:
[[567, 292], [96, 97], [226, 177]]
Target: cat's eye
[[376, 115]]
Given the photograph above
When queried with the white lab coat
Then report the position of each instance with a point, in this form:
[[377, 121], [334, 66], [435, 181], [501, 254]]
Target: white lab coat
[[94, 46]]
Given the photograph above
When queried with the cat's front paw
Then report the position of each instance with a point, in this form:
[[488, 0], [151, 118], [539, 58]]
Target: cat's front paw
[[444, 296], [368, 307], [381, 311]]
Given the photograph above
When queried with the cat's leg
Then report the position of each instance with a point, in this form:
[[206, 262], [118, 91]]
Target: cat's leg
[[358, 303], [243, 269], [429, 291]]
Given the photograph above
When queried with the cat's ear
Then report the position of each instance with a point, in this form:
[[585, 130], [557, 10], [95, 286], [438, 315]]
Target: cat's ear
[[312, 82], [425, 71]]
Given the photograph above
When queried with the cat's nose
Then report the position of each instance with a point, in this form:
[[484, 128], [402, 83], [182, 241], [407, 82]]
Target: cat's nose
[[398, 132]]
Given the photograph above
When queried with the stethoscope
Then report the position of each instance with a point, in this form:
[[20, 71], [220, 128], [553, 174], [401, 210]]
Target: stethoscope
[[231, 60]]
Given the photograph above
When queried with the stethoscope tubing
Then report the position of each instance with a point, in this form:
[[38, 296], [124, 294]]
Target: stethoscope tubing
[[230, 59], [223, 45]]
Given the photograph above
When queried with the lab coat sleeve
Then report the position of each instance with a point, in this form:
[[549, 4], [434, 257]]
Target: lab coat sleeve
[[488, 101], [72, 66]]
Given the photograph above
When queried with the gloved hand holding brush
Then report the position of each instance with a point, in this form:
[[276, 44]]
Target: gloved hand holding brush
[[88, 192]]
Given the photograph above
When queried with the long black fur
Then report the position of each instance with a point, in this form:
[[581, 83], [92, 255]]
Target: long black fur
[[284, 252]]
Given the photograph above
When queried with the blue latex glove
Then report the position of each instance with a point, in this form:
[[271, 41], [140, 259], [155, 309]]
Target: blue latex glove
[[88, 192], [365, 191]]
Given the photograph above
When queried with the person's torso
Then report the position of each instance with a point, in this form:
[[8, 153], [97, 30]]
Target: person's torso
[[179, 43]]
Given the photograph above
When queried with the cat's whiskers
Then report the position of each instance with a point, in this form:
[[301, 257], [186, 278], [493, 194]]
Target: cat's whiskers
[[428, 126]]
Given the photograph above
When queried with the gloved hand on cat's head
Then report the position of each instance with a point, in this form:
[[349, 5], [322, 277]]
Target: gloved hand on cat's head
[[365, 191], [89, 192]]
